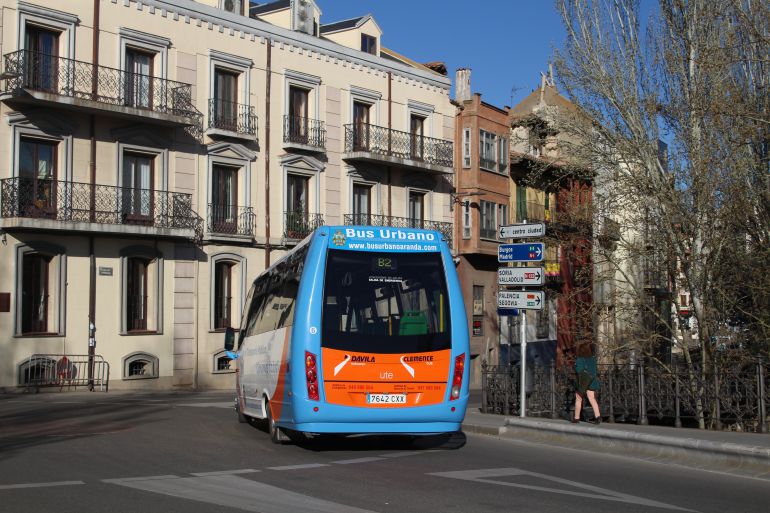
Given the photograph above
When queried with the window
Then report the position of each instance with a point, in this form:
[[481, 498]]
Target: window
[[385, 302], [360, 126], [478, 311], [298, 114], [487, 150], [223, 295], [138, 178], [502, 161], [521, 203], [488, 228], [140, 366], [362, 204], [416, 209], [141, 275], [466, 147], [223, 363], [225, 108], [37, 177], [41, 58], [35, 289], [224, 199], [297, 218], [136, 294], [502, 216], [138, 81], [467, 219], [416, 139], [369, 44]]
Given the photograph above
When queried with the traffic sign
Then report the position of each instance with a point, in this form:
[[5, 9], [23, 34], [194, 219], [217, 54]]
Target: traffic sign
[[521, 252], [522, 299], [522, 230], [520, 275]]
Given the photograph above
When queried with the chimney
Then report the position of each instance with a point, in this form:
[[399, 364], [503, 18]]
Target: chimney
[[463, 85]]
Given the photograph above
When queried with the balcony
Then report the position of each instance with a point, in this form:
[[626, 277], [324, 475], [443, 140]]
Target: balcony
[[38, 204], [400, 222], [230, 222], [533, 212], [298, 225], [232, 120], [303, 133], [370, 143], [49, 80]]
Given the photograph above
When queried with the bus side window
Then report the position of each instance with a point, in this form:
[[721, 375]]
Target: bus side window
[[245, 317]]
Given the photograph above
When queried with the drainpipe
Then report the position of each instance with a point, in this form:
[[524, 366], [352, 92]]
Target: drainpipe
[[267, 152], [92, 165], [390, 111]]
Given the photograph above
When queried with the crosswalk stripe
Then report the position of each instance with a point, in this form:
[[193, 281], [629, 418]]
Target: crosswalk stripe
[[40, 485], [238, 492]]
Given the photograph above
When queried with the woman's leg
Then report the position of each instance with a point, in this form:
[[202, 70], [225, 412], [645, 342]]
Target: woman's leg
[[594, 405], [578, 404]]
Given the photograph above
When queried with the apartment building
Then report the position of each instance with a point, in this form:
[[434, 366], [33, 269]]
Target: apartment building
[[481, 206], [158, 154]]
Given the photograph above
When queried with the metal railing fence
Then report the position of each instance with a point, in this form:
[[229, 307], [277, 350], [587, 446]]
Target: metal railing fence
[[729, 394], [102, 204], [399, 222], [232, 117], [298, 225], [299, 130], [231, 219], [71, 371], [394, 143]]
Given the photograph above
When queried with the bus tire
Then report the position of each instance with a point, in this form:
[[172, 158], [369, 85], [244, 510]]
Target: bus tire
[[272, 426], [242, 419]]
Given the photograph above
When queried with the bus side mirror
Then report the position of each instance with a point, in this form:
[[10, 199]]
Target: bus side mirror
[[229, 339]]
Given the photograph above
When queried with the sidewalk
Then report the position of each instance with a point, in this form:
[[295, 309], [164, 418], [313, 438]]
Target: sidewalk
[[746, 454]]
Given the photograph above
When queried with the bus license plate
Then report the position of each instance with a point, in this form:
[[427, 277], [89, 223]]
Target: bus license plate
[[386, 398]]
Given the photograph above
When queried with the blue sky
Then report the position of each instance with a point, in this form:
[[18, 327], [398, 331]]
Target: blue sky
[[507, 43]]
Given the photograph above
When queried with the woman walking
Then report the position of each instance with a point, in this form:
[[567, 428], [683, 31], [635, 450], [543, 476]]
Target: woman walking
[[587, 382]]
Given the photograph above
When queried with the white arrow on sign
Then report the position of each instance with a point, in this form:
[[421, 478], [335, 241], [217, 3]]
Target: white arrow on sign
[[521, 299], [522, 230], [520, 276]]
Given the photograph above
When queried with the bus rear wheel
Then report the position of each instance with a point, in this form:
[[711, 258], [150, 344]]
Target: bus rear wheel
[[276, 436]]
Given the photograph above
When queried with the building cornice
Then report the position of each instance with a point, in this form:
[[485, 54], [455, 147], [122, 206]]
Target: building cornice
[[190, 12]]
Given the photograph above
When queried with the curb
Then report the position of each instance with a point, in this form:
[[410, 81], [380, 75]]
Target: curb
[[736, 458]]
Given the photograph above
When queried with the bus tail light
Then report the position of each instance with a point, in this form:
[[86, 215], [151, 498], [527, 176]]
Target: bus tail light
[[457, 378], [311, 375]]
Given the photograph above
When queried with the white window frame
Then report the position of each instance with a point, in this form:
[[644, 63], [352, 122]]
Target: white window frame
[[151, 359], [160, 157], [482, 217], [57, 289], [22, 127], [467, 215], [150, 43], [423, 110], [428, 202], [289, 166], [235, 64], [502, 154], [215, 357], [238, 277], [52, 19], [466, 147], [156, 259], [221, 153], [502, 216], [483, 136], [301, 80], [372, 98]]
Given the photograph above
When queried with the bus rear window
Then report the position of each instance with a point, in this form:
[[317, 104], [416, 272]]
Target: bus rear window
[[385, 302]]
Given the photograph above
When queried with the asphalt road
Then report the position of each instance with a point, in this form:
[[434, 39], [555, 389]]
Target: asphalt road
[[187, 453]]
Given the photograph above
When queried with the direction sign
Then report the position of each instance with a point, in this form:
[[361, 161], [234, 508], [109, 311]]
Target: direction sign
[[522, 252], [522, 230], [523, 299], [520, 275]]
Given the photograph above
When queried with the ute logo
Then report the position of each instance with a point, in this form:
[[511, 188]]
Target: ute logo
[[339, 238]]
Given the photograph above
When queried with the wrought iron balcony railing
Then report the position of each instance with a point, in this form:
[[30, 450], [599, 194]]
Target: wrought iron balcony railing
[[533, 211], [232, 117], [393, 143], [299, 130], [399, 222], [298, 225], [37, 71], [102, 204], [231, 220]]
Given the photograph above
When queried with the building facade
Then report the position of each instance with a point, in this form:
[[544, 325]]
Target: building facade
[[158, 154]]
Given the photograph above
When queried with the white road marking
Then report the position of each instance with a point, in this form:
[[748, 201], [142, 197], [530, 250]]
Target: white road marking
[[225, 472], [483, 475], [241, 493], [357, 460], [40, 485], [401, 454], [296, 467], [122, 480], [227, 404]]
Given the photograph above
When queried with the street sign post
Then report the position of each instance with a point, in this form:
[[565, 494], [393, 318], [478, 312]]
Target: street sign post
[[520, 276], [522, 299], [521, 252], [522, 230]]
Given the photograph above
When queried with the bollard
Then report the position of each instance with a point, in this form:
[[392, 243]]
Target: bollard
[[678, 419], [762, 396], [642, 399], [553, 390], [717, 405], [484, 385], [610, 385]]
